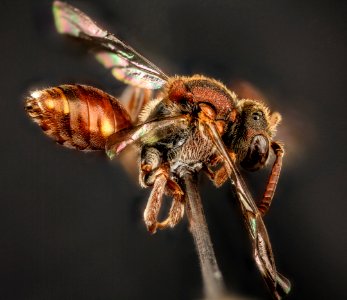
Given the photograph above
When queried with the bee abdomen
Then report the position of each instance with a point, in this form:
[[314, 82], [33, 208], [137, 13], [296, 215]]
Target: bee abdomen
[[77, 116]]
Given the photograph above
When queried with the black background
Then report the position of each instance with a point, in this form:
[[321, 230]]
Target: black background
[[71, 223]]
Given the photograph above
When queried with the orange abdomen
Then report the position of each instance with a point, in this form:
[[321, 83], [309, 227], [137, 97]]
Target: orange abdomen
[[77, 116]]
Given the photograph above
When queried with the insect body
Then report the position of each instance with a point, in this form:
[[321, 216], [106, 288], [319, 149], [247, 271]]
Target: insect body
[[195, 124]]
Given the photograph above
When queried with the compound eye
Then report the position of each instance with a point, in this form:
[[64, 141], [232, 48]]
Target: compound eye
[[257, 115], [257, 154]]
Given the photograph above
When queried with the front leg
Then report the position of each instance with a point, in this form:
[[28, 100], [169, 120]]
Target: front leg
[[219, 176], [265, 203]]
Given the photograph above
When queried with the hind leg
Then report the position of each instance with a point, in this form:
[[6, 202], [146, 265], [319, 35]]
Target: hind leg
[[157, 174], [155, 200], [177, 207]]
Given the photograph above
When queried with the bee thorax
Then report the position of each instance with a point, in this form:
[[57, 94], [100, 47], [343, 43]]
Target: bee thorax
[[192, 155]]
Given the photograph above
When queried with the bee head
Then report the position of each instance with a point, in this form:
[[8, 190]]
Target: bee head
[[250, 135]]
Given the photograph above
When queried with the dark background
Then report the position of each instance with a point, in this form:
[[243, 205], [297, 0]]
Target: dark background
[[71, 223]]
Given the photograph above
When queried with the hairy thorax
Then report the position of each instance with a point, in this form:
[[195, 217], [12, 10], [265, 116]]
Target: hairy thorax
[[192, 154]]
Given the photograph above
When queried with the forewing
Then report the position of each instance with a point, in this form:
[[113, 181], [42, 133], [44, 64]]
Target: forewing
[[123, 61], [262, 252]]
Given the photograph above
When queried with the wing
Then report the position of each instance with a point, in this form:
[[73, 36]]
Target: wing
[[124, 62], [150, 132], [262, 251]]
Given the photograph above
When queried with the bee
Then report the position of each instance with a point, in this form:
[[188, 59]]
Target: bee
[[195, 124]]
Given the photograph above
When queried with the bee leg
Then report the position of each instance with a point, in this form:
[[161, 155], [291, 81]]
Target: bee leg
[[219, 176], [177, 208], [134, 99], [163, 184], [209, 172], [157, 174], [152, 174], [155, 200], [265, 203], [150, 162]]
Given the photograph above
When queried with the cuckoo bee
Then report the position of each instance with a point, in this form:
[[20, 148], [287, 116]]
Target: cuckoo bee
[[194, 124]]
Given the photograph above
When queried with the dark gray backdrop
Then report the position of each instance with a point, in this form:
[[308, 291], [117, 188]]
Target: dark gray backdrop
[[71, 223]]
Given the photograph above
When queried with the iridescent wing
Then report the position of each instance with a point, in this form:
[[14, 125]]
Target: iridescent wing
[[262, 251], [149, 132], [124, 62]]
